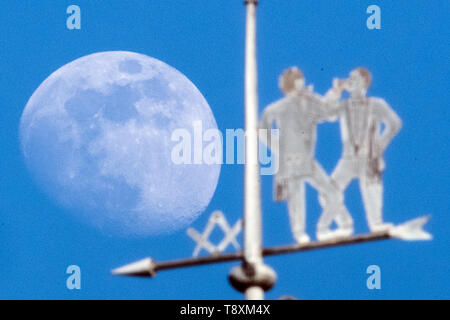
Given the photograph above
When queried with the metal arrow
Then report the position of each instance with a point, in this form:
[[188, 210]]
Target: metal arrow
[[411, 231]]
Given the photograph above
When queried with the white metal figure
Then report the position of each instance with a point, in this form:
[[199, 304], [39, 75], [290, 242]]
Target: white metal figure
[[296, 116], [364, 142]]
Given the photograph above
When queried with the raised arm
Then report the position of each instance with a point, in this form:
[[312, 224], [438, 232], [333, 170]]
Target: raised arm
[[329, 107], [332, 96], [331, 101]]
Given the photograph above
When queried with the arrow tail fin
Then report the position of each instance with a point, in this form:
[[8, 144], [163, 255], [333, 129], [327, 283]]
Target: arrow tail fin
[[412, 230]]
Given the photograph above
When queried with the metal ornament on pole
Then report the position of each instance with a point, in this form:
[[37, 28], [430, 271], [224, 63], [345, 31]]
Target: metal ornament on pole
[[253, 277]]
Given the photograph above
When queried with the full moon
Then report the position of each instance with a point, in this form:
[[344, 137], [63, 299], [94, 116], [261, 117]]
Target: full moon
[[96, 136]]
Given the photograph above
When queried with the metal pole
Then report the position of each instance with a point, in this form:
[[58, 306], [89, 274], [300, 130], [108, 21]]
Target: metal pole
[[250, 276], [252, 183], [252, 189]]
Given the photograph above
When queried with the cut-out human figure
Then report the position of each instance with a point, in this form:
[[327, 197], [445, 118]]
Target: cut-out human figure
[[364, 141], [296, 116]]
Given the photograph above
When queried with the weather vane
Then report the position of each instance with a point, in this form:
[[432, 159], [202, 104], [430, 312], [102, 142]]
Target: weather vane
[[367, 127]]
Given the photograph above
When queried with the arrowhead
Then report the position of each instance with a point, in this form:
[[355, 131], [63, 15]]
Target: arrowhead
[[411, 230], [143, 268]]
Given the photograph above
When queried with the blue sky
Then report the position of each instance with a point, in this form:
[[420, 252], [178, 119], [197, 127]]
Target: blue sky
[[409, 59]]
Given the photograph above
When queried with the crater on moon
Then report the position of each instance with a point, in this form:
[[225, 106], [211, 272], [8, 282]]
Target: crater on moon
[[96, 137]]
